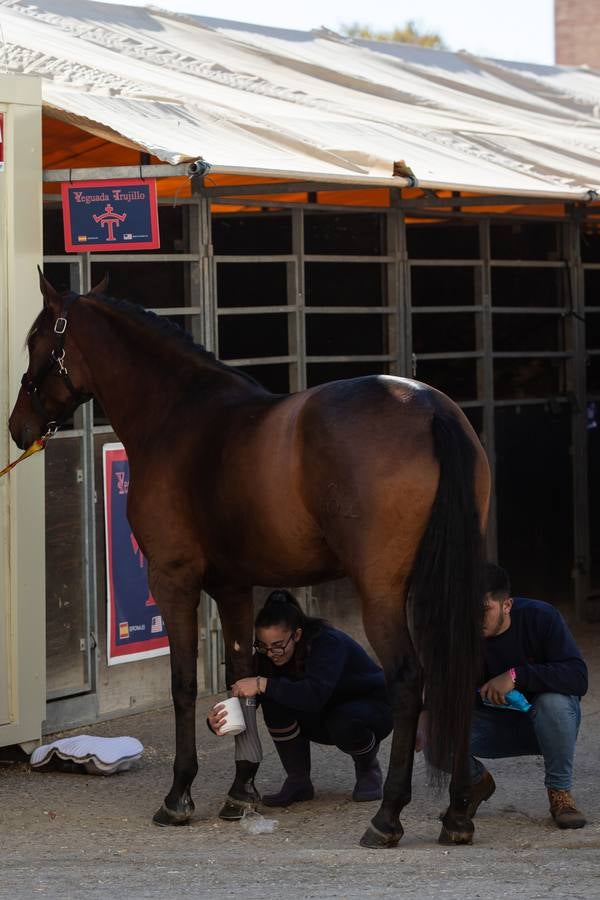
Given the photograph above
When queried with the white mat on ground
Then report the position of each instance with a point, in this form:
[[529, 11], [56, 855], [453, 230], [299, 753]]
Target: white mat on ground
[[101, 756]]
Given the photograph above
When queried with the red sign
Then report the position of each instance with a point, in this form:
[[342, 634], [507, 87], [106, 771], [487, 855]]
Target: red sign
[[110, 215], [1, 142]]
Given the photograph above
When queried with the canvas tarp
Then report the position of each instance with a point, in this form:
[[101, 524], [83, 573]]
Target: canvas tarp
[[258, 100]]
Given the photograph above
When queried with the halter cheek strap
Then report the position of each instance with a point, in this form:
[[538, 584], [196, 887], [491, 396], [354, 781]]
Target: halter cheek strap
[[57, 358]]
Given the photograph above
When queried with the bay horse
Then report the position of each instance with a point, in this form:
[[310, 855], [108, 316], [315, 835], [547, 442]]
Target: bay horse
[[378, 478]]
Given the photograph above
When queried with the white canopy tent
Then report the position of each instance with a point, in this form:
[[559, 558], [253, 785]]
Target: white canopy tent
[[311, 105]]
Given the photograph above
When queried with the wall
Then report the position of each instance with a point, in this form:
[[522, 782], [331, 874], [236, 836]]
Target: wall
[[577, 32], [22, 622]]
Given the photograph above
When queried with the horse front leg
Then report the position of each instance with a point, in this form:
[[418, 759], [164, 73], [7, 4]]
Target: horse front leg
[[236, 611], [405, 688], [178, 607]]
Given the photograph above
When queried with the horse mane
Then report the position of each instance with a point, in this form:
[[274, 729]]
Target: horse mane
[[165, 326]]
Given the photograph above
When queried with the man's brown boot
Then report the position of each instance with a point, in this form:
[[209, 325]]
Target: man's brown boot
[[481, 790], [563, 810]]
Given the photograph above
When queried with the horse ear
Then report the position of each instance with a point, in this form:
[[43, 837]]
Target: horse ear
[[52, 299], [101, 287]]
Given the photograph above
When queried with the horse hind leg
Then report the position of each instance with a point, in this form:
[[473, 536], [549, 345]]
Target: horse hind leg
[[457, 826], [386, 628]]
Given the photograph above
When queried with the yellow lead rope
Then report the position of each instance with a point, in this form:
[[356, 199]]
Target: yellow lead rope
[[35, 448]]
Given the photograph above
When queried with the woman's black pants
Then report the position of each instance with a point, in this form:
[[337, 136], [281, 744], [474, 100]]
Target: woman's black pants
[[353, 725]]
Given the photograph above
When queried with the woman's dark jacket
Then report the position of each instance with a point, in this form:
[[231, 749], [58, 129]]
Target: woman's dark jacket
[[329, 670]]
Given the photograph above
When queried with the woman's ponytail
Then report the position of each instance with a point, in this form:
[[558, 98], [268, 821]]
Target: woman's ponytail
[[281, 608]]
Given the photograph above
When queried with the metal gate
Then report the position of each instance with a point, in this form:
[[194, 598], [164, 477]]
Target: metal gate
[[491, 310]]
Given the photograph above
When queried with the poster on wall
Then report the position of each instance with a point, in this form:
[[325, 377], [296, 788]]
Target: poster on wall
[[110, 215], [135, 629]]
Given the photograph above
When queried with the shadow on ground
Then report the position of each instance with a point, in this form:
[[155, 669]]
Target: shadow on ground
[[78, 836]]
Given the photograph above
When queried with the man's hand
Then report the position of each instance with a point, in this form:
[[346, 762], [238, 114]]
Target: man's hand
[[496, 689]]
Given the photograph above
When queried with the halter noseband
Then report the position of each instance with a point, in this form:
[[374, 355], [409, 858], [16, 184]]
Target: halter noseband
[[57, 358]]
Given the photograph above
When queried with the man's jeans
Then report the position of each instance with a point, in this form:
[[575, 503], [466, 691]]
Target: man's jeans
[[549, 729]]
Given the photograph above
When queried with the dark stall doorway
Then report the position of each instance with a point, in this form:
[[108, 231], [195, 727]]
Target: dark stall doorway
[[534, 500], [594, 494]]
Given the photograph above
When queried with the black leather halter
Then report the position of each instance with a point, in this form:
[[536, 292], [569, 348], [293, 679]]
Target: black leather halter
[[57, 359]]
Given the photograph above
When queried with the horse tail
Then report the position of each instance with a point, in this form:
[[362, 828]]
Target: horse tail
[[446, 595]]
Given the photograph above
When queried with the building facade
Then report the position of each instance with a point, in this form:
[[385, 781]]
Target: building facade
[[577, 33]]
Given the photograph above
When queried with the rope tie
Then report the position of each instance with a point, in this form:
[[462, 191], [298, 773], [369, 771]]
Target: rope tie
[[34, 448]]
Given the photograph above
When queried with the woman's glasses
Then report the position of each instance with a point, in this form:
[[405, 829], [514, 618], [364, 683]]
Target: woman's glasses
[[276, 649]]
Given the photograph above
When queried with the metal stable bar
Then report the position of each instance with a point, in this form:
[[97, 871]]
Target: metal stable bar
[[296, 295], [359, 310], [444, 263], [446, 309], [526, 264], [528, 354], [355, 357], [466, 216], [89, 514], [495, 200], [345, 258], [311, 181], [100, 173], [393, 289], [308, 206], [254, 258], [254, 191], [308, 310], [177, 311], [404, 286], [409, 206], [530, 310], [579, 452], [533, 401], [252, 310], [485, 381], [259, 360], [145, 256], [457, 354]]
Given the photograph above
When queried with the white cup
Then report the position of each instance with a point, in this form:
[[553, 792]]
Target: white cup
[[234, 723]]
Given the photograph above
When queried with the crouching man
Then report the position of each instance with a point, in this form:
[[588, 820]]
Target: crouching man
[[528, 647]]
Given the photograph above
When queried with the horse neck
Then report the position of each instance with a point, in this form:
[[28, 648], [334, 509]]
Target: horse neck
[[139, 373]]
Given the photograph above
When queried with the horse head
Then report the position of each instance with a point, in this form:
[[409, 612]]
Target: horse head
[[54, 384]]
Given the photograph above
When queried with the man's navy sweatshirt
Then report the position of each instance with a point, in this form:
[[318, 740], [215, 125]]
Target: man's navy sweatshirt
[[336, 669], [541, 649]]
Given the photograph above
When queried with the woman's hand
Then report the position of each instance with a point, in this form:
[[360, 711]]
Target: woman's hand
[[248, 687], [216, 717]]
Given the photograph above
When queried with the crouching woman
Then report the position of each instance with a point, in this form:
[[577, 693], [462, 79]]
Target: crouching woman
[[314, 684]]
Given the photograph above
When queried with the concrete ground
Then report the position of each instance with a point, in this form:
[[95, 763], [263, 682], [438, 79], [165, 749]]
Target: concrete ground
[[72, 836]]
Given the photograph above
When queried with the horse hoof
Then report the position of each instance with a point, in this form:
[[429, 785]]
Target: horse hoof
[[165, 816], [379, 840], [455, 837], [233, 810]]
